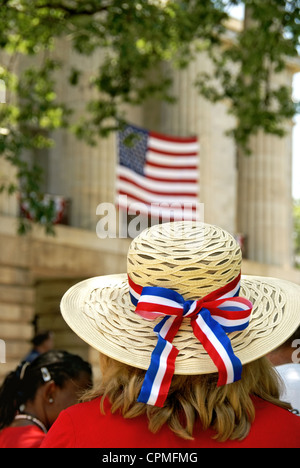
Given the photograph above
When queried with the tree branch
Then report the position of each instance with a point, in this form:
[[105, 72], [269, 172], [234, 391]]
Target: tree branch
[[76, 10]]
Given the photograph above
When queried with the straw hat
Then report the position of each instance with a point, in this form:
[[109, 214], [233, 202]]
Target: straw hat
[[193, 259]]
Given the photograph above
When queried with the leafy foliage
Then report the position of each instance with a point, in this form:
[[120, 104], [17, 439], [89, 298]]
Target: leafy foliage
[[270, 35], [135, 36]]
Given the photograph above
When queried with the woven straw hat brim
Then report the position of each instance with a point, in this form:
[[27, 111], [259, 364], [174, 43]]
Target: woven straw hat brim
[[100, 312]]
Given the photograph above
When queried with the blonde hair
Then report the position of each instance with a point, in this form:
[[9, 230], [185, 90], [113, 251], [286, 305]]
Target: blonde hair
[[228, 410]]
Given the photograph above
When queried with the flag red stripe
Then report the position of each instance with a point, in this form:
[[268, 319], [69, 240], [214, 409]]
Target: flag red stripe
[[179, 168], [164, 179], [172, 154], [173, 139]]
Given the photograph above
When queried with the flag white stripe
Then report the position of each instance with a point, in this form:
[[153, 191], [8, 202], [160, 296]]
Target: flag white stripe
[[152, 171], [173, 146], [180, 161]]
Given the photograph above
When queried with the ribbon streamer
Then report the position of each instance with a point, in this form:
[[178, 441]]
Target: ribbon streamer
[[218, 313]]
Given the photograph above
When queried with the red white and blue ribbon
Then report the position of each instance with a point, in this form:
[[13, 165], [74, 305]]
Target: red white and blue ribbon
[[218, 313]]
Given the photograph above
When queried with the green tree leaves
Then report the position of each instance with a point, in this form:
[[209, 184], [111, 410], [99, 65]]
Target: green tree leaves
[[135, 38]]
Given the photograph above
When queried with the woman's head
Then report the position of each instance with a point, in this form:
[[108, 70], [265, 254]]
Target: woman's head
[[43, 341], [51, 383]]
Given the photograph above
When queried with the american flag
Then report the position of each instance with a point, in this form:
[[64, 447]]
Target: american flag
[[158, 172]]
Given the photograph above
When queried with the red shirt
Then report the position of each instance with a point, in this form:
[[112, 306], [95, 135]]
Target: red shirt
[[84, 426], [21, 437]]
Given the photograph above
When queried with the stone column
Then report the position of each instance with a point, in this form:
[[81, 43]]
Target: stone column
[[265, 200], [194, 115], [78, 171]]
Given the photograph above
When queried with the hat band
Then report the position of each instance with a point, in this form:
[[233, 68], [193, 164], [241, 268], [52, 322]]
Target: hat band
[[218, 313]]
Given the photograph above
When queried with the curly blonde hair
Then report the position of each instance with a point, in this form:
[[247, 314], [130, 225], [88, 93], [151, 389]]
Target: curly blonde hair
[[228, 410]]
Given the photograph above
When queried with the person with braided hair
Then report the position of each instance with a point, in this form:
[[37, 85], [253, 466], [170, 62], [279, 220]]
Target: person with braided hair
[[32, 396]]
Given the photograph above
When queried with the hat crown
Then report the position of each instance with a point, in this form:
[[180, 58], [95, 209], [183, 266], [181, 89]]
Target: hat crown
[[193, 258]]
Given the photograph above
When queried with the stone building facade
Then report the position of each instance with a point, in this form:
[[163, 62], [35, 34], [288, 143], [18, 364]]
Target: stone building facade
[[249, 195]]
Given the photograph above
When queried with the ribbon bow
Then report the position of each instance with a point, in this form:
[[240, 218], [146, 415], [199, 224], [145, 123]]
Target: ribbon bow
[[213, 316]]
